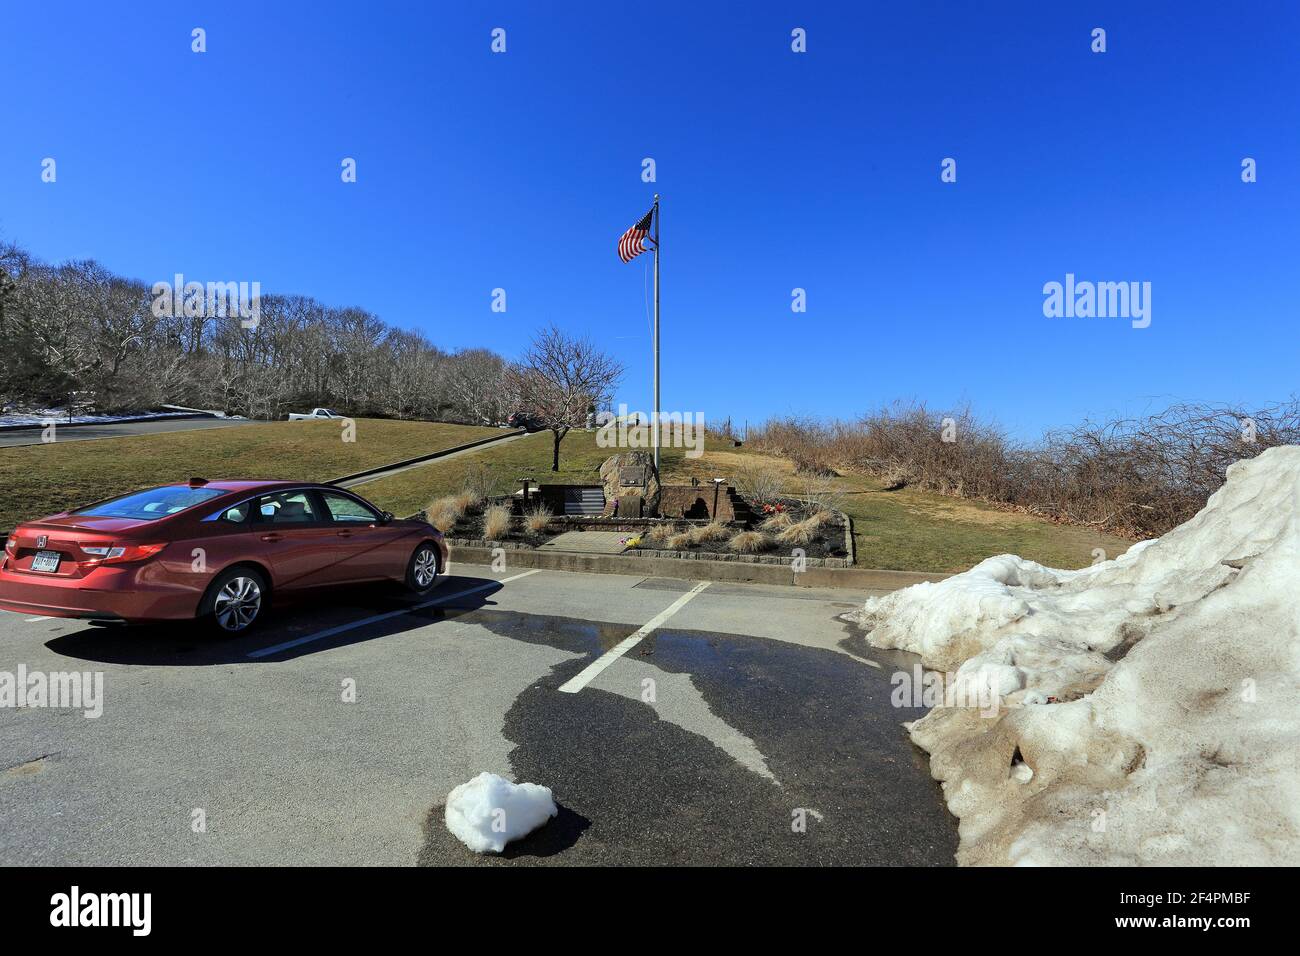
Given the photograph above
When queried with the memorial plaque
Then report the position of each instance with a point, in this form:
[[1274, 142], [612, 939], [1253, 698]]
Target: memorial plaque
[[633, 477]]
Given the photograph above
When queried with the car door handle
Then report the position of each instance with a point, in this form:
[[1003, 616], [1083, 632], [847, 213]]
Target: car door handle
[[344, 534], [273, 536]]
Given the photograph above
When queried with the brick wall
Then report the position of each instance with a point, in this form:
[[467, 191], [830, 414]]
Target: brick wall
[[691, 501]]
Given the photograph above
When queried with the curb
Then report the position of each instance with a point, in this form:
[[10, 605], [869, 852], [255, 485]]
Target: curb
[[421, 458], [701, 570]]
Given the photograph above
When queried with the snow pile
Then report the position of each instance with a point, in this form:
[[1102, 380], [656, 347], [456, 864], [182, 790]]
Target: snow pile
[[1150, 705], [490, 811], [59, 416]]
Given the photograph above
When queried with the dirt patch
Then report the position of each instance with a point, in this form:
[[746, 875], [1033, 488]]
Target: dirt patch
[[28, 768]]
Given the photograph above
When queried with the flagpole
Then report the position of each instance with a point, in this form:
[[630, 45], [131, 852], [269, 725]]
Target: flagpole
[[654, 419]]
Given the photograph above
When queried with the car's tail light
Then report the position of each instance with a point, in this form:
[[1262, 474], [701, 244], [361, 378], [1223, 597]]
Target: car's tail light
[[119, 553]]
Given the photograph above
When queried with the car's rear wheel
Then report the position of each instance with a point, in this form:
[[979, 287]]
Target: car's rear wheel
[[235, 602], [422, 570]]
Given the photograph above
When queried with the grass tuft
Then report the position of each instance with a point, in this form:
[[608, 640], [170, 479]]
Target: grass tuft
[[443, 513], [658, 535], [777, 521], [750, 542], [467, 500], [713, 531], [797, 535], [496, 523], [538, 519]]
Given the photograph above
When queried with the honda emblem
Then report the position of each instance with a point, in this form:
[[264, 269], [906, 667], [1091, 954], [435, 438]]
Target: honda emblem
[[41, 540]]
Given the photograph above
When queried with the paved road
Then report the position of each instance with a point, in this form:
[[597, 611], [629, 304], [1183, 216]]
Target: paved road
[[747, 709], [32, 436], [389, 472]]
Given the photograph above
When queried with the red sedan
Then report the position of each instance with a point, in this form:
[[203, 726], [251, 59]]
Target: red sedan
[[214, 550]]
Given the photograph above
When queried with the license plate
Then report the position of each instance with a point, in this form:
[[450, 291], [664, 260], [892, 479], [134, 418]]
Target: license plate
[[46, 561]]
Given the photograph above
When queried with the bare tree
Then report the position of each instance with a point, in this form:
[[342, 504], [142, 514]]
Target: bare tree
[[561, 380], [78, 327], [475, 378]]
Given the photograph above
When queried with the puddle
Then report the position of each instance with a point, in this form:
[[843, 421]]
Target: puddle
[[890, 658], [572, 634]]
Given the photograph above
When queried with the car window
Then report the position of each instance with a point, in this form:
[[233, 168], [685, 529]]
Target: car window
[[237, 514], [152, 504], [286, 507], [343, 508]]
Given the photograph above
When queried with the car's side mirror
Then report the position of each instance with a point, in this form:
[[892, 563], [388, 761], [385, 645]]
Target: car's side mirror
[[385, 517]]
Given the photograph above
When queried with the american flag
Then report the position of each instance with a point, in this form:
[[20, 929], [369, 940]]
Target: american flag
[[632, 243]]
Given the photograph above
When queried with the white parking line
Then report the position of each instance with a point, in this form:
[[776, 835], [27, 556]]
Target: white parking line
[[331, 631], [33, 620], [575, 684]]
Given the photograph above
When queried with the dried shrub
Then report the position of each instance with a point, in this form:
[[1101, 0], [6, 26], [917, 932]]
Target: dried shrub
[[467, 500], [713, 531], [659, 534], [777, 521], [678, 542], [538, 519], [495, 523], [819, 518], [1132, 477], [750, 542], [481, 482], [443, 513], [797, 535], [760, 483], [821, 493]]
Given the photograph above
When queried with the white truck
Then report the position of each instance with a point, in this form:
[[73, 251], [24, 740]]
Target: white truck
[[314, 415]]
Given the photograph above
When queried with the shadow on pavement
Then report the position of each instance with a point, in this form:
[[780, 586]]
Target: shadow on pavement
[[555, 836], [191, 644]]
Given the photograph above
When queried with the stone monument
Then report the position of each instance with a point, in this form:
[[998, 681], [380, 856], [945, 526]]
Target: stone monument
[[630, 474]]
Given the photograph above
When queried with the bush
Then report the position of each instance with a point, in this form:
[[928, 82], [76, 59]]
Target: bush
[[820, 494], [713, 531], [659, 534], [798, 535], [1132, 477], [750, 542], [480, 481], [819, 518], [760, 483], [467, 500], [538, 519], [678, 542], [496, 523], [443, 513], [777, 521]]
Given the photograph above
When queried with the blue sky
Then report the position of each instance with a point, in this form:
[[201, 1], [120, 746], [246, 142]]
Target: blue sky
[[778, 170]]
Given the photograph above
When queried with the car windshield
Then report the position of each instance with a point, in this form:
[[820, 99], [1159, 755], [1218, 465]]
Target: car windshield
[[152, 504]]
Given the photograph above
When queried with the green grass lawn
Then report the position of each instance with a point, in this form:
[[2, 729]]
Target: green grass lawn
[[36, 480], [901, 530], [921, 531], [905, 530], [580, 460], [911, 530]]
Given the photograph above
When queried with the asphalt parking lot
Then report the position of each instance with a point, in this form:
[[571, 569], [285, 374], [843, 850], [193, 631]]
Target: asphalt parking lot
[[333, 734]]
